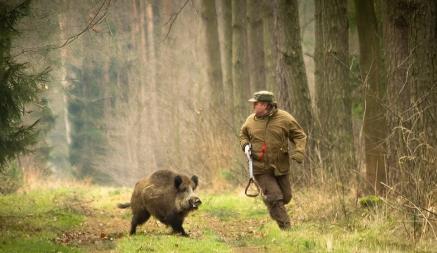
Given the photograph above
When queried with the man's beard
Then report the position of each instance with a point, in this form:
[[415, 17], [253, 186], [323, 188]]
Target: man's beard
[[261, 114]]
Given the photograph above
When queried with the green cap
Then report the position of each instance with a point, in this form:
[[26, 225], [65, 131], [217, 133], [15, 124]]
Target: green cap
[[263, 96]]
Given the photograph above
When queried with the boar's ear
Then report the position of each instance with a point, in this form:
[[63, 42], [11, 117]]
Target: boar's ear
[[195, 180], [177, 181]]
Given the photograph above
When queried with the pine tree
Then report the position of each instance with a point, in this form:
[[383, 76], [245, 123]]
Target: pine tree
[[18, 89]]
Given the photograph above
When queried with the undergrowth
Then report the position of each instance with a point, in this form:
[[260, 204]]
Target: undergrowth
[[85, 216]]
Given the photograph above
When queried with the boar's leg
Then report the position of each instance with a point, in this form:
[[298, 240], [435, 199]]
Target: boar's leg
[[175, 222], [138, 219]]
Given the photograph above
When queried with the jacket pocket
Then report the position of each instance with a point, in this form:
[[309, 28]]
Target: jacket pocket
[[283, 161]]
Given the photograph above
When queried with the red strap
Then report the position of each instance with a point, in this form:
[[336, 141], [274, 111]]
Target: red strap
[[263, 151]]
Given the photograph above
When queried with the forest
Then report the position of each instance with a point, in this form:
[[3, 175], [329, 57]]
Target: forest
[[95, 95]]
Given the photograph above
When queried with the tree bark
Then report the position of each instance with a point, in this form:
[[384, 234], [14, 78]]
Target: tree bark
[[240, 75], [423, 45], [152, 86], [395, 35], [63, 56], [225, 22], [371, 64], [270, 52], [255, 45], [291, 74], [409, 34], [332, 87], [213, 67], [423, 41]]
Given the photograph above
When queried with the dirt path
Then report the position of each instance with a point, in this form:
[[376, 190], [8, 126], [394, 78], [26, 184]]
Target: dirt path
[[101, 229]]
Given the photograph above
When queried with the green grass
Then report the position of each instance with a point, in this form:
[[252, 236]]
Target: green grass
[[30, 222], [227, 206], [209, 242], [34, 245]]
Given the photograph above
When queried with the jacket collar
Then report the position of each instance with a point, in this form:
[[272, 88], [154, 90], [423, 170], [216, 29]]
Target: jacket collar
[[272, 112]]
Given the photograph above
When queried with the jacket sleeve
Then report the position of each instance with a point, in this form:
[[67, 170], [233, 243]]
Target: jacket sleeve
[[297, 136], [244, 136]]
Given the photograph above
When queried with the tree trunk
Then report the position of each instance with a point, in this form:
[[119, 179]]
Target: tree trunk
[[225, 22], [332, 87], [423, 45], [240, 75], [58, 96], [142, 140], [291, 74], [424, 42], [409, 35], [395, 35], [213, 67], [371, 64], [270, 54], [152, 87], [63, 57], [255, 45]]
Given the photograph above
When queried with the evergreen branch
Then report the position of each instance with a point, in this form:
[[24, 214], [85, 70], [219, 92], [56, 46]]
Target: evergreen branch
[[10, 17]]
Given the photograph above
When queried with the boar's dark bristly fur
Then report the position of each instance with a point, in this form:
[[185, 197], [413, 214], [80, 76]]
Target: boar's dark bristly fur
[[167, 196]]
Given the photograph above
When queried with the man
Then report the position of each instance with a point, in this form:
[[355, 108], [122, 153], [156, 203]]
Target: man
[[268, 131]]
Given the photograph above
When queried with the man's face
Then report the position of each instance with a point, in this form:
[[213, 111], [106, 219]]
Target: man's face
[[260, 108]]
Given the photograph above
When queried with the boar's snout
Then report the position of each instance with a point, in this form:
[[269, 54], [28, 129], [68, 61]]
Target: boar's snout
[[195, 202]]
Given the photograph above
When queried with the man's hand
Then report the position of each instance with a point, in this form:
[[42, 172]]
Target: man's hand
[[298, 157]]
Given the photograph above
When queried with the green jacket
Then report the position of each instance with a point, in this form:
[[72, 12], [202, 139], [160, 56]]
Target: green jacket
[[269, 136]]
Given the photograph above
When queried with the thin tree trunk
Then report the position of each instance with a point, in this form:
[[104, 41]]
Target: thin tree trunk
[[213, 67], [240, 77], [255, 45], [138, 12], [169, 87], [63, 57], [270, 52], [371, 64], [225, 23], [152, 87]]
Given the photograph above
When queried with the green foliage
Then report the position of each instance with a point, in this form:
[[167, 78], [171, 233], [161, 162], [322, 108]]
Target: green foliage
[[9, 15], [370, 201], [18, 88], [10, 178], [31, 221], [86, 116], [42, 151]]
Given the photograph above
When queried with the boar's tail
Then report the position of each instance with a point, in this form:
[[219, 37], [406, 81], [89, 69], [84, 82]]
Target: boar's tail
[[123, 205]]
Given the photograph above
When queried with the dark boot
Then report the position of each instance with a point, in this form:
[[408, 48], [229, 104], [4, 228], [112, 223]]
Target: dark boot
[[279, 214]]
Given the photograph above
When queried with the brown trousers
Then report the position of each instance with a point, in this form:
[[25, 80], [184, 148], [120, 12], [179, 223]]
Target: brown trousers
[[277, 193]]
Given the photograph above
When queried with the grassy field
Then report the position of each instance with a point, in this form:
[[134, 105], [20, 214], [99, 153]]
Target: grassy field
[[83, 218]]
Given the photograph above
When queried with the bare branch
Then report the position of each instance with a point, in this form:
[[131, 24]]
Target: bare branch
[[173, 18], [98, 18]]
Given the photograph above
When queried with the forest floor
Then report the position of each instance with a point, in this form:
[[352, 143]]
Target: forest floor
[[84, 218]]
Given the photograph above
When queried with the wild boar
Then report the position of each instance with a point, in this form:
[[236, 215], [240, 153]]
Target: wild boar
[[165, 195]]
